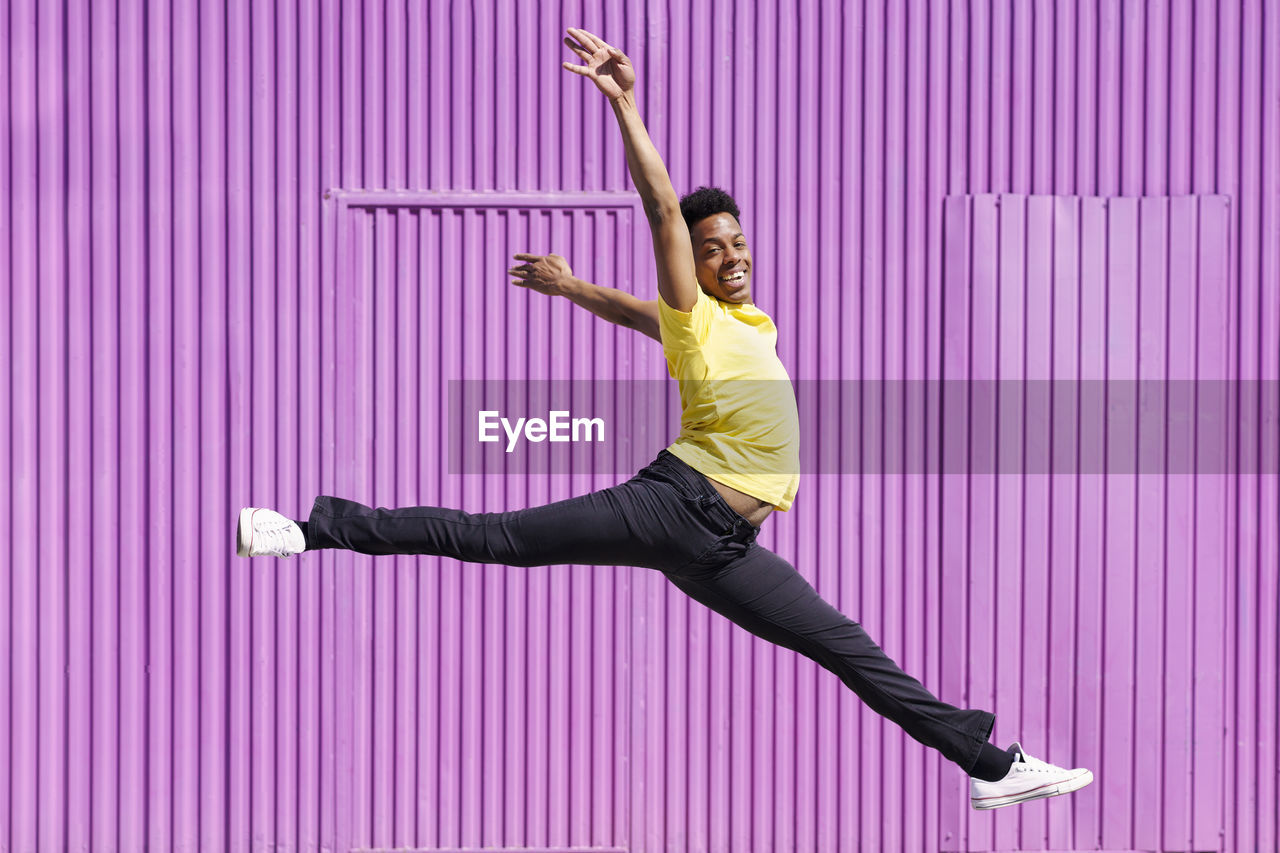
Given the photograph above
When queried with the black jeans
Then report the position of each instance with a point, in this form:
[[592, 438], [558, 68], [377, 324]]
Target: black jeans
[[670, 518]]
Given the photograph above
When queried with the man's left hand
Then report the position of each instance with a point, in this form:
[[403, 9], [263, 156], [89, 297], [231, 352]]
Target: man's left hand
[[606, 66]]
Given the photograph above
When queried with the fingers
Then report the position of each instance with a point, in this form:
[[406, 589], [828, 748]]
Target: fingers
[[582, 52], [582, 49], [588, 40], [525, 256]]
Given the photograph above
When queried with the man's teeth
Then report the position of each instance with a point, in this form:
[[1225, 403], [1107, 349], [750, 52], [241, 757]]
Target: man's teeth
[[738, 276]]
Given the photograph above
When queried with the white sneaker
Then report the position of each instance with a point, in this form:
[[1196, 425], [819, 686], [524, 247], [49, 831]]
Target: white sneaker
[[1028, 779], [266, 533]]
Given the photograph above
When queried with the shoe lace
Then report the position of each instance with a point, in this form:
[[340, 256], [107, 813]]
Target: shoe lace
[[273, 536], [1035, 765]]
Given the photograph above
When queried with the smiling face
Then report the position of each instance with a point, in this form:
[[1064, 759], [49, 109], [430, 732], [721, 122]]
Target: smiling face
[[722, 259]]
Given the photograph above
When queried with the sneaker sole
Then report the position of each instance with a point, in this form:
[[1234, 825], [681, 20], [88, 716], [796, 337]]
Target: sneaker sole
[[244, 532], [1054, 790]]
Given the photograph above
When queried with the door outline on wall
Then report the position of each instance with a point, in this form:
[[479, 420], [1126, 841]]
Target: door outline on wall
[[1009, 226], [353, 211]]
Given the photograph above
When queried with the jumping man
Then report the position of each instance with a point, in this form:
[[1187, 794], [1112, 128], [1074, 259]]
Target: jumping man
[[695, 511]]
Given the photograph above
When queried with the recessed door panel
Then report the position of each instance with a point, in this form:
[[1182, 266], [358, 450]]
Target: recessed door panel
[[1084, 556], [476, 705]]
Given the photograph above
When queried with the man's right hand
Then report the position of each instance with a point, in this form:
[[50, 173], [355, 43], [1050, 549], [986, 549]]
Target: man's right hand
[[549, 274]]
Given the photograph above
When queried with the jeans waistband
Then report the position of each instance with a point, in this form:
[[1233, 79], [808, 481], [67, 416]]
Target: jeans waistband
[[677, 469]]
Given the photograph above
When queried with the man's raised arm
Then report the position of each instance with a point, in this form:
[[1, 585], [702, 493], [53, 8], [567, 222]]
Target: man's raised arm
[[551, 274], [615, 76]]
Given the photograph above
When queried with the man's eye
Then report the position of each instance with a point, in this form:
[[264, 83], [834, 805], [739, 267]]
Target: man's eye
[[740, 245], [712, 251]]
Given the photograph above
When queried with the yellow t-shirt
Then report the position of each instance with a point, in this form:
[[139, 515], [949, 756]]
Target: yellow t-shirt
[[739, 423]]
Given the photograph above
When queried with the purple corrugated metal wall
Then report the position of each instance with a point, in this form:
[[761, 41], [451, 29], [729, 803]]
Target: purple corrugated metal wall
[[485, 705], [1108, 588], [184, 337]]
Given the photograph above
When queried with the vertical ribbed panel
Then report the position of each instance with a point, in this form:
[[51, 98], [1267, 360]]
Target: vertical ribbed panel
[[1090, 606], [476, 706], [171, 319]]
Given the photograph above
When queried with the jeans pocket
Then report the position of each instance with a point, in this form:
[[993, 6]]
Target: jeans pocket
[[715, 558]]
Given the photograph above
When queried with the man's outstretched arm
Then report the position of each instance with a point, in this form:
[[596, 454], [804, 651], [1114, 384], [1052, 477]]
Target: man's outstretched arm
[[550, 274], [614, 75]]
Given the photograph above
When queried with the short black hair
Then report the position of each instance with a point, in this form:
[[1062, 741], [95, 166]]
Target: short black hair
[[707, 201]]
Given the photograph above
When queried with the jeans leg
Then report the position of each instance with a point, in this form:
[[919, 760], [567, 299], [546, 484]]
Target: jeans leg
[[637, 523], [764, 594]]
